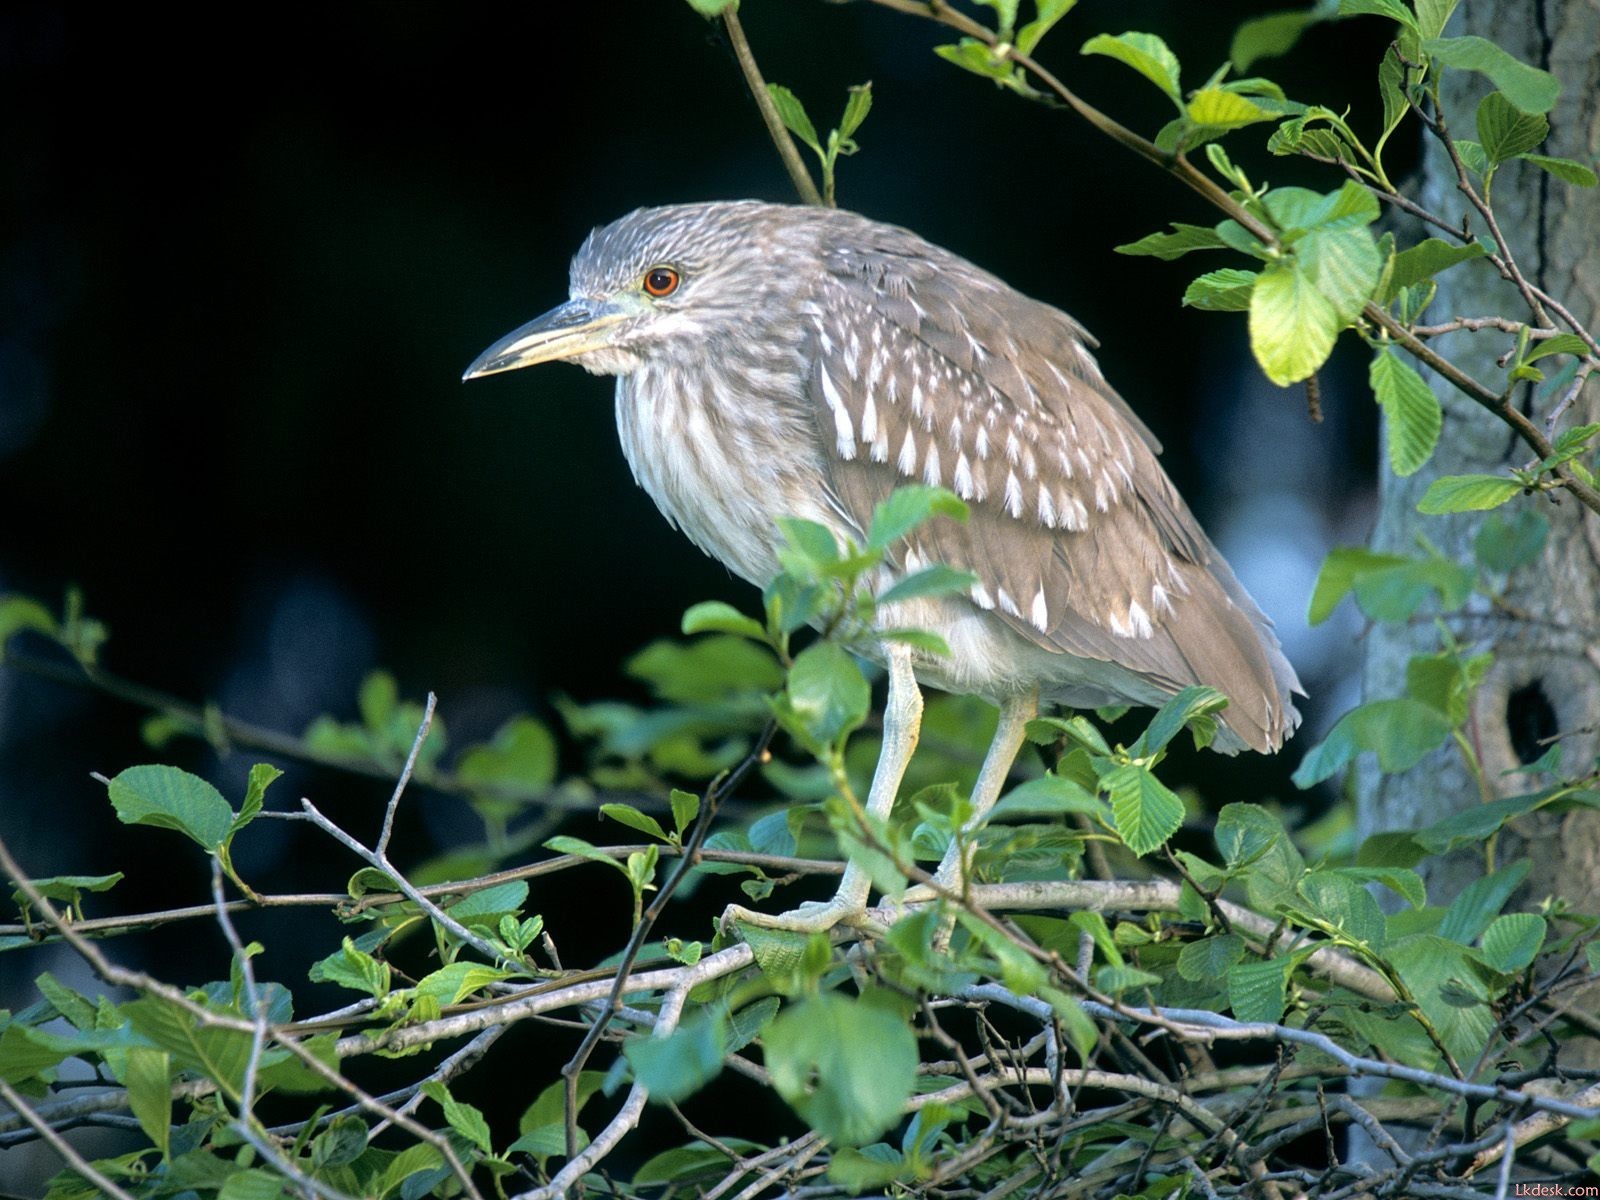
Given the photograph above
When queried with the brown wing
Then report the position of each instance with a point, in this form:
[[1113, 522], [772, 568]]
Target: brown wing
[[927, 369]]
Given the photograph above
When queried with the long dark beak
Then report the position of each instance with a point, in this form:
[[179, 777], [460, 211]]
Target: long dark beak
[[573, 328]]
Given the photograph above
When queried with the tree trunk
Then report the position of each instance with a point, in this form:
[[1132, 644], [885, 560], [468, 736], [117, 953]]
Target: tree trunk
[[1546, 674]]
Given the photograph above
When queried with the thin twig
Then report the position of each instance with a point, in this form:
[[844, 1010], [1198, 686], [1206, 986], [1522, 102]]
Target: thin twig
[[59, 1144], [787, 150], [719, 788]]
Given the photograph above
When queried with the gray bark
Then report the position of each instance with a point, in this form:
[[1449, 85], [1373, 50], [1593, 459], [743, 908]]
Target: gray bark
[[1554, 230]]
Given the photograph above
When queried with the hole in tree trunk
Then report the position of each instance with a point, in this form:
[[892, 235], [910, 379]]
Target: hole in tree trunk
[[1529, 717]]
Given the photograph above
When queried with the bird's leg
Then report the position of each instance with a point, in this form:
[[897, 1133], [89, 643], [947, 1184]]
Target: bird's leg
[[1015, 713], [902, 725]]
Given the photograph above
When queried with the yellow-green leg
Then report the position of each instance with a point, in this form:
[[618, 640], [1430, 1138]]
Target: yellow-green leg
[[902, 725], [1015, 713]]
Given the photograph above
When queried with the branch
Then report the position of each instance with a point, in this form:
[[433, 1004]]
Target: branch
[[787, 150], [59, 1144]]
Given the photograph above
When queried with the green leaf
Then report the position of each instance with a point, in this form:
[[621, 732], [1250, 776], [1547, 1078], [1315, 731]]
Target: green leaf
[[1530, 89], [677, 1066], [714, 616], [1480, 901], [1221, 109], [1145, 811], [563, 844], [1512, 941], [1443, 977], [68, 889], [354, 968], [972, 55], [454, 982], [1005, 13], [1343, 264], [685, 807], [856, 109], [1257, 991], [1404, 883], [908, 507], [1564, 169], [344, 1141], [169, 798], [711, 668], [485, 907], [1145, 53], [1168, 246], [1340, 570], [1338, 901], [935, 580], [827, 692], [1195, 705], [1472, 156], [1245, 833], [1392, 91], [1433, 16], [251, 1184], [1292, 324], [713, 8], [1446, 681], [846, 1066], [18, 613], [522, 754], [1400, 732], [1562, 343], [1227, 290], [1411, 412], [262, 776], [1467, 493], [1503, 544], [1050, 11], [219, 1054], [149, 1082], [1275, 33], [463, 1118], [626, 814], [695, 1162], [1392, 9], [1050, 795], [1395, 594], [1505, 131], [1209, 959], [1475, 824], [1427, 258], [793, 114]]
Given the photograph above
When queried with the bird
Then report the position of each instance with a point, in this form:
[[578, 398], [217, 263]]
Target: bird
[[778, 360]]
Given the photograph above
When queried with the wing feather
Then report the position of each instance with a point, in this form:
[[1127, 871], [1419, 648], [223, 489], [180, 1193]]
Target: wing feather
[[928, 369]]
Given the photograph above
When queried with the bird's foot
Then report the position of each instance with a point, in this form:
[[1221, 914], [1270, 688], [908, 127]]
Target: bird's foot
[[813, 916]]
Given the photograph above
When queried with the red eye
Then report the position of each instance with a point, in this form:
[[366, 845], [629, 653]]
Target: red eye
[[661, 281]]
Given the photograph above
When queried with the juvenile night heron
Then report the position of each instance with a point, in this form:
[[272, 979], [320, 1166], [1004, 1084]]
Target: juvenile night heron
[[775, 360]]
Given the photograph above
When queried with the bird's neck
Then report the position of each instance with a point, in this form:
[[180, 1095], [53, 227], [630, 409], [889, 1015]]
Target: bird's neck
[[721, 452]]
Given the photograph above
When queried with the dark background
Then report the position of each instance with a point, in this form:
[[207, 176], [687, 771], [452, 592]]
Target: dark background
[[243, 267]]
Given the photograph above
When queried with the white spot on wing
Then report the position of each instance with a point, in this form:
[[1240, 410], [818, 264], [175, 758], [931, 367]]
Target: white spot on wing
[[1040, 615], [981, 596], [930, 469], [1047, 506], [844, 432], [1139, 620], [1013, 499], [963, 477], [907, 462], [1008, 605]]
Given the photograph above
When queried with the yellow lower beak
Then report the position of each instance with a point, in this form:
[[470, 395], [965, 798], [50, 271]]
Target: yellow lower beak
[[572, 329]]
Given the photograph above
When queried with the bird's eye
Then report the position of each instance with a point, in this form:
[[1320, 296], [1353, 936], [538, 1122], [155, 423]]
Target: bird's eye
[[661, 281]]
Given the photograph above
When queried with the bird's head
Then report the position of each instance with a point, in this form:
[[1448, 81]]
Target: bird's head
[[664, 284]]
